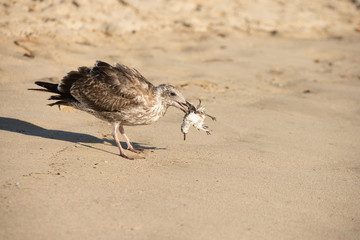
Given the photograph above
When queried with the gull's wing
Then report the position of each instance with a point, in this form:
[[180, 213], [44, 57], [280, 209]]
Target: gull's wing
[[111, 88]]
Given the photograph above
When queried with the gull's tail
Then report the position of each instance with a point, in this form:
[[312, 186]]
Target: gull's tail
[[64, 98], [62, 89], [47, 87]]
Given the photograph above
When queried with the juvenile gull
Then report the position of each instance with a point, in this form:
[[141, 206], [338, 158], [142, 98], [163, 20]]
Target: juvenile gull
[[116, 94]]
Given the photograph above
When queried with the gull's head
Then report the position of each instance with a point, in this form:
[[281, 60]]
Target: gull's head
[[171, 96]]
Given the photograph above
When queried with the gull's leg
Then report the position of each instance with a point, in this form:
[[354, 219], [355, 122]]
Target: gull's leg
[[127, 140], [114, 134]]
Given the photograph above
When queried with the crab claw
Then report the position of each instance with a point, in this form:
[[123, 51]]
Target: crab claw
[[199, 105]]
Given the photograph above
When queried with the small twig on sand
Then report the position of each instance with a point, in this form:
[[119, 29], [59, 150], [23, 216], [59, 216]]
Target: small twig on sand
[[28, 52]]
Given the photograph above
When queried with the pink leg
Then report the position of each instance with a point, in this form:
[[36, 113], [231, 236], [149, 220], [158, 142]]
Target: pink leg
[[127, 140], [114, 134]]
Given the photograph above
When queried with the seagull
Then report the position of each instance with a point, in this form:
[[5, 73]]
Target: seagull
[[117, 94]]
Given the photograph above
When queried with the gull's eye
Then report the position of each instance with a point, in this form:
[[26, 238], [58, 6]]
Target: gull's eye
[[172, 94]]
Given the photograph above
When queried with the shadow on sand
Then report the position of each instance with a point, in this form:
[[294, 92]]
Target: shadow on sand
[[26, 128]]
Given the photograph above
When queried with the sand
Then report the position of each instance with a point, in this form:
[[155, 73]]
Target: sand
[[282, 161]]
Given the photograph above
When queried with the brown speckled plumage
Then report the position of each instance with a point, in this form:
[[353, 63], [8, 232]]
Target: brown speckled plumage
[[117, 94]]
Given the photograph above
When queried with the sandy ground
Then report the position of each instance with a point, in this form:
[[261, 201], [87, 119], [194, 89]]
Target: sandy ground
[[283, 160]]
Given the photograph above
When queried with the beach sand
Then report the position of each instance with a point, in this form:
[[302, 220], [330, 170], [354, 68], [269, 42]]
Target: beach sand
[[283, 159]]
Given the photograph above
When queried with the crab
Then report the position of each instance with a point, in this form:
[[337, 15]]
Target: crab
[[195, 116]]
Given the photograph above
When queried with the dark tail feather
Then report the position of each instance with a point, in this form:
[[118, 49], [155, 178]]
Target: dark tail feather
[[60, 103], [64, 98], [56, 97], [38, 89], [50, 87]]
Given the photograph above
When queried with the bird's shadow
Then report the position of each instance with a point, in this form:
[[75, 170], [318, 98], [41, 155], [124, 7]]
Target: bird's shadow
[[26, 128]]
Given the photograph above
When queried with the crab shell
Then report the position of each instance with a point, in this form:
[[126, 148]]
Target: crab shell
[[194, 119]]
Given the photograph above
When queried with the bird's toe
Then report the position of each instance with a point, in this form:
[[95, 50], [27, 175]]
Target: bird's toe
[[135, 150], [124, 155]]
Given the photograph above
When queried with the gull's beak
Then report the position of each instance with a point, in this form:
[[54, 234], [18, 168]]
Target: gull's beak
[[182, 106], [190, 106]]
